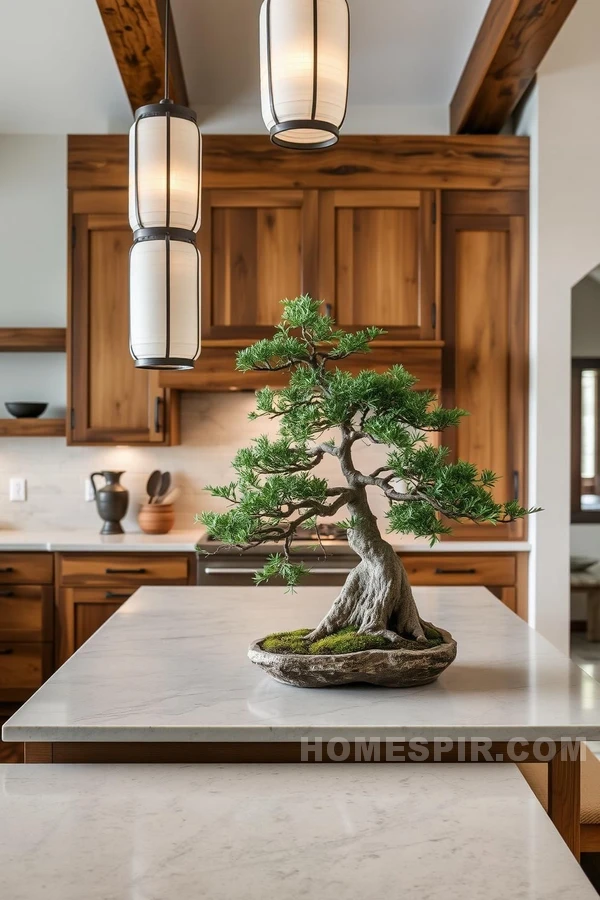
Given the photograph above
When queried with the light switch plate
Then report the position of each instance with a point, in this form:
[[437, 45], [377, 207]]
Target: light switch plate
[[17, 490]]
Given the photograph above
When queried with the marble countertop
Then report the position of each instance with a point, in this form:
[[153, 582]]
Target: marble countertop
[[171, 665], [248, 832], [185, 542]]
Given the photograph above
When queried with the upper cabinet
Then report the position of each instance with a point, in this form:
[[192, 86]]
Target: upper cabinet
[[485, 334], [377, 260], [110, 400], [257, 248]]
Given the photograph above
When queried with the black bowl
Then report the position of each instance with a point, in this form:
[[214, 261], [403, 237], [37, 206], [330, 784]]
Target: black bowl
[[26, 410]]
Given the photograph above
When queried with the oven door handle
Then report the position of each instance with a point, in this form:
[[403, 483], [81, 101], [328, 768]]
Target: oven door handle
[[213, 570]]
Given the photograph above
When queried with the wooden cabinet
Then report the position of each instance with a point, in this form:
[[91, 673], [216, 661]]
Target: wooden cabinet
[[111, 401], [257, 247], [26, 623], [92, 586], [485, 333], [377, 260], [83, 611]]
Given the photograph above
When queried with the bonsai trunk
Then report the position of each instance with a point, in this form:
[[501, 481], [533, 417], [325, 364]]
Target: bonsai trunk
[[377, 597]]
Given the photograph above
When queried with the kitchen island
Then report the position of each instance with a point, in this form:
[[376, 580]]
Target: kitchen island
[[166, 679]]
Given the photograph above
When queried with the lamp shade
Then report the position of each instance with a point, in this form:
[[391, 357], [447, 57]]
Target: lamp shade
[[304, 70], [165, 165], [164, 300]]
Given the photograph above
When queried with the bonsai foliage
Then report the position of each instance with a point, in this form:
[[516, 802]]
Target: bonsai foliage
[[277, 491]]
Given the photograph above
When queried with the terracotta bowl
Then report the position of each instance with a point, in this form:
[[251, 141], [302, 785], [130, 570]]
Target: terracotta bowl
[[156, 518]]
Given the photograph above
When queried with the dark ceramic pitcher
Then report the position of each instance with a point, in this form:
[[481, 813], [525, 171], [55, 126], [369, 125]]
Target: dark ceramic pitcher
[[112, 501]]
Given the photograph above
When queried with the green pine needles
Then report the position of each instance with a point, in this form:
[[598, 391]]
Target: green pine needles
[[275, 491]]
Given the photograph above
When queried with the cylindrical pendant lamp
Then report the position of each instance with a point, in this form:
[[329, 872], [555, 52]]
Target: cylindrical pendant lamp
[[165, 163], [304, 70], [164, 300], [165, 168]]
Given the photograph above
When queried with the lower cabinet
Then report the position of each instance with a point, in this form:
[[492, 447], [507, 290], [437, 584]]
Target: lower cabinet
[[26, 624], [82, 612], [92, 586]]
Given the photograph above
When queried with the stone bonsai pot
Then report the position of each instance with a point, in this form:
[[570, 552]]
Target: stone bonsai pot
[[373, 632]]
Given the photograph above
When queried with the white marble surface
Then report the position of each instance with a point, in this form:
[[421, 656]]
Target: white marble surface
[[250, 832], [185, 542], [171, 665]]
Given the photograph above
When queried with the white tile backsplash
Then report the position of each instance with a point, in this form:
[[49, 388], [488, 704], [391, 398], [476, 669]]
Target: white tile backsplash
[[214, 426]]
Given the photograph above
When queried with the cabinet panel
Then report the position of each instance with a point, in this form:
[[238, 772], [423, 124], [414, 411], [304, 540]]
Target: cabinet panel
[[378, 260], [485, 358], [106, 569], [26, 613], [450, 569], [83, 611], [23, 668], [26, 568], [258, 247], [111, 400]]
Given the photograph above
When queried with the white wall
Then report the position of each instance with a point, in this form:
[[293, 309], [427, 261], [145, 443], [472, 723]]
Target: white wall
[[33, 261], [565, 247], [585, 342]]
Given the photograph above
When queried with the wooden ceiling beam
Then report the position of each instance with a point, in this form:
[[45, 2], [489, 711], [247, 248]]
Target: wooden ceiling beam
[[511, 43], [135, 29]]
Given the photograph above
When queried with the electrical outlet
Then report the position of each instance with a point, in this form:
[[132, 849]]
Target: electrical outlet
[[17, 492], [88, 491]]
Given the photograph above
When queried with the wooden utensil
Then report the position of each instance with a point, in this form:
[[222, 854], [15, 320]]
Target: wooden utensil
[[153, 486], [165, 484]]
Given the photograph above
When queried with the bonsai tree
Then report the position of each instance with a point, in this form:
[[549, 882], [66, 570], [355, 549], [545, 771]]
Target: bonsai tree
[[276, 491]]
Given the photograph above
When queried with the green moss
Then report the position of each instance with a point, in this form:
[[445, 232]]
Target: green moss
[[347, 640], [287, 642]]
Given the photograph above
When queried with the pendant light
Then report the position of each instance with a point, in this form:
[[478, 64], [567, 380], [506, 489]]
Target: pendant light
[[165, 165], [304, 71]]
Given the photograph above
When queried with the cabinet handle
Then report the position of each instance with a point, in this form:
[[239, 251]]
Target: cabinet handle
[[157, 407], [6, 570], [516, 485], [328, 309], [456, 571], [7, 651], [7, 593], [125, 571], [110, 595]]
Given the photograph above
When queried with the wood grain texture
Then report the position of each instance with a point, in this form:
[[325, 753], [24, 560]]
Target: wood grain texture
[[26, 568], [136, 29], [32, 427], [81, 611], [253, 752], [106, 570], [215, 369], [564, 799], [377, 260], [24, 667], [257, 247], [33, 340], [485, 358], [26, 613], [111, 400], [457, 162], [513, 39]]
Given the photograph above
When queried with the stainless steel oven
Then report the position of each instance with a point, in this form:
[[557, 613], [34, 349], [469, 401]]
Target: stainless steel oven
[[226, 569]]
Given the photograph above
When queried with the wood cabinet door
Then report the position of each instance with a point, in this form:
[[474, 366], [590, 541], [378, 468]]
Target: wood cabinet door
[[111, 400], [258, 247], [82, 611], [485, 330], [377, 260]]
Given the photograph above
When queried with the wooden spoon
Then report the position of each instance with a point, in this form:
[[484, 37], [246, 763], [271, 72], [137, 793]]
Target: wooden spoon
[[165, 484], [153, 486]]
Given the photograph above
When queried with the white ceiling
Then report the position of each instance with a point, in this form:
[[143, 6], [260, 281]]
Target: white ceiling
[[60, 77], [58, 71], [404, 52]]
